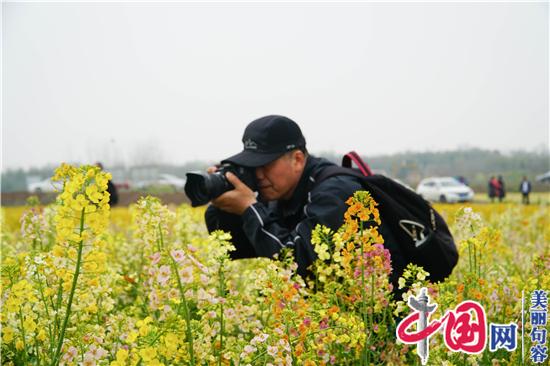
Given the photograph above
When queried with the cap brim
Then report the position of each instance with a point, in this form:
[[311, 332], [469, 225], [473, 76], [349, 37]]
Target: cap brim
[[252, 159]]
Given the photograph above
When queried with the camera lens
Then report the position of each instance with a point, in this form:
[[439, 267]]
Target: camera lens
[[195, 189], [201, 188]]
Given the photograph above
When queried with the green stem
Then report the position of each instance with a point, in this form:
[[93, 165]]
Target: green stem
[[289, 342], [37, 350], [185, 311], [43, 298], [475, 262], [222, 295], [470, 256], [23, 335], [160, 242], [363, 294], [157, 337], [55, 360], [56, 307]]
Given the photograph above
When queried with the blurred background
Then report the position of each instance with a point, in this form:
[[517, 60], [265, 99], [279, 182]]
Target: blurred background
[[156, 90]]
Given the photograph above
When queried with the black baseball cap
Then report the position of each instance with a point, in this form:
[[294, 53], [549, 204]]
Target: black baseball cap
[[266, 139]]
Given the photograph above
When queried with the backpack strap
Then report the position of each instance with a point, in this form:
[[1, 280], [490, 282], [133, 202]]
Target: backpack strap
[[333, 170], [352, 156]]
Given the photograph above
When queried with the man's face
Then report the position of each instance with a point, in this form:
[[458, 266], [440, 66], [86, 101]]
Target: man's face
[[278, 179]]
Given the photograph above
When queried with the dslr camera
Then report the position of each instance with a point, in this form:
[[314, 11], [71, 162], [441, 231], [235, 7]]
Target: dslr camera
[[201, 188]]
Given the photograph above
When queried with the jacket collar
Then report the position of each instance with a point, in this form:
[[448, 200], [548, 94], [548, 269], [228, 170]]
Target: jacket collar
[[300, 196]]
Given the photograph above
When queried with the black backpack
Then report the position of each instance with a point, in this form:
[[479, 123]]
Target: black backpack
[[412, 229]]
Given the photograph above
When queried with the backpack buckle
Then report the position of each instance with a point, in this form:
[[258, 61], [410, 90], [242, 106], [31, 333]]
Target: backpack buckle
[[415, 231]]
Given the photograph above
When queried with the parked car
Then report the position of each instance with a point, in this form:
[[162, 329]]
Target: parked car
[[543, 177], [171, 180], [163, 180], [444, 189]]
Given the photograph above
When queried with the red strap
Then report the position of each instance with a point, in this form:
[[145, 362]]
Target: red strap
[[352, 156]]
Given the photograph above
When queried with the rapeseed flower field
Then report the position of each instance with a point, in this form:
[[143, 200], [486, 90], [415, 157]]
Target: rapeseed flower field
[[86, 285]]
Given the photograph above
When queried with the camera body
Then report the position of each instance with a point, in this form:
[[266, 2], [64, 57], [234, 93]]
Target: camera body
[[201, 188]]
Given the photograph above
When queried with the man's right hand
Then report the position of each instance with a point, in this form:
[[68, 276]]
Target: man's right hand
[[237, 200]]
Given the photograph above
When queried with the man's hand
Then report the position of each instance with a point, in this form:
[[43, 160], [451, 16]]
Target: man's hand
[[237, 200]]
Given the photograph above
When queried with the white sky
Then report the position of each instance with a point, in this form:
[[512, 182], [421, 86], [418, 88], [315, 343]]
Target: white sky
[[175, 82]]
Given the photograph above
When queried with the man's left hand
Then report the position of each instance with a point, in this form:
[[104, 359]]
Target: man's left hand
[[237, 200]]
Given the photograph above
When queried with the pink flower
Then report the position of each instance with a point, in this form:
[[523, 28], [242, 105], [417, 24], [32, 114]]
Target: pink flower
[[71, 353], [178, 255], [95, 352], [155, 258], [154, 300], [260, 338], [89, 360]]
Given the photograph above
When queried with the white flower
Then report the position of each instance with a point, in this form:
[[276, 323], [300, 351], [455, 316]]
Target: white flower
[[186, 274], [249, 349], [163, 275], [272, 350], [262, 337]]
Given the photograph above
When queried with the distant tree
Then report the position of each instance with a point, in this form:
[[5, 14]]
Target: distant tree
[[14, 181]]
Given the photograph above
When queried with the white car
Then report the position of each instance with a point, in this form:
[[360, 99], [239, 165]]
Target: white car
[[444, 189], [172, 180], [164, 180]]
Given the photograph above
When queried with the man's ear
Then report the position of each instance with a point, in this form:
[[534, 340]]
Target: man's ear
[[299, 159]]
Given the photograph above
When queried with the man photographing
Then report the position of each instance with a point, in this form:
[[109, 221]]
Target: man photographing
[[290, 200]]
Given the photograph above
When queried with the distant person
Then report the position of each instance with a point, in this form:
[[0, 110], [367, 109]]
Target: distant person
[[525, 189], [493, 188], [462, 180], [501, 188], [113, 200]]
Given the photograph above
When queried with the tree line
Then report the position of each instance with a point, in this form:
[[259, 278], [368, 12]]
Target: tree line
[[475, 165]]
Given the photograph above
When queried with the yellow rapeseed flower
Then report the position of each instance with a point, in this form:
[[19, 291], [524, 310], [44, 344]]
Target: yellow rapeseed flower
[[29, 325], [19, 345], [132, 336], [42, 335], [7, 335], [121, 355], [148, 354]]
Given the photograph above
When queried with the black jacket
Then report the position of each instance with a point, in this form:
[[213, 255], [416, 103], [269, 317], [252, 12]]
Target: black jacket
[[265, 228], [111, 188]]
